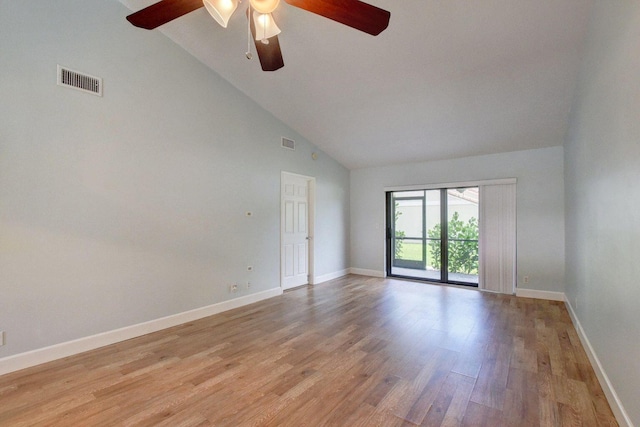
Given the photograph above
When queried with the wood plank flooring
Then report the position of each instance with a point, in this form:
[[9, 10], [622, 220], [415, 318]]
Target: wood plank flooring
[[355, 351]]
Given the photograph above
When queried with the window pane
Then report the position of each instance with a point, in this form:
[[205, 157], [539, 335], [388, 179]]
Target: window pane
[[409, 218], [434, 258], [410, 250], [462, 226]]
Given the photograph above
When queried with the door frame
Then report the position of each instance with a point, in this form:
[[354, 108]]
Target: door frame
[[311, 212]]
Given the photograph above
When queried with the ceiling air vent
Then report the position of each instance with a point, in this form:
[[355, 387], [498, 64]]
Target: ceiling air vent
[[79, 81], [288, 143]]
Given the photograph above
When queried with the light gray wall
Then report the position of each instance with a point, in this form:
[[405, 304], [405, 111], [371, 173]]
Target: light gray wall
[[540, 207], [602, 173], [130, 207]]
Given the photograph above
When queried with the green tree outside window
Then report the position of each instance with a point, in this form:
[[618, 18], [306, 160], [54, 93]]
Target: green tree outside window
[[463, 245]]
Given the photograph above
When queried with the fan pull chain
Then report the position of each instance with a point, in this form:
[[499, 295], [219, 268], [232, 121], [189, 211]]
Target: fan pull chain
[[248, 53]]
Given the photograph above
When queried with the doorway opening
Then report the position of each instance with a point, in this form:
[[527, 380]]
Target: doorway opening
[[433, 235], [296, 230]]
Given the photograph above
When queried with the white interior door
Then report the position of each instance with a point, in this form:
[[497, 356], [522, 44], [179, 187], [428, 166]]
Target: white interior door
[[295, 230]]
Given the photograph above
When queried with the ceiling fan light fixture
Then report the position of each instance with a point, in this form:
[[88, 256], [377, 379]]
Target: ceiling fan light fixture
[[353, 13], [265, 26], [264, 6], [221, 10]]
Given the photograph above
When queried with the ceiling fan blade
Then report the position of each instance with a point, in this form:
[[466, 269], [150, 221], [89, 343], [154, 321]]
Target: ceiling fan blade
[[353, 13], [162, 12], [269, 54]]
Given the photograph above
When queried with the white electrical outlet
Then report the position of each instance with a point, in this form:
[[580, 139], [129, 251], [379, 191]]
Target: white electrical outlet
[[525, 279], [1, 338], [248, 285], [233, 288]]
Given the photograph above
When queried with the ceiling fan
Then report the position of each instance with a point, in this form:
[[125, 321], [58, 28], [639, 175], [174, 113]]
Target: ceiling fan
[[352, 13]]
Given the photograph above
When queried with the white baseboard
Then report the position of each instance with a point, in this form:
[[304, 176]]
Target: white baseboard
[[69, 348], [614, 401], [533, 293], [365, 272], [330, 276]]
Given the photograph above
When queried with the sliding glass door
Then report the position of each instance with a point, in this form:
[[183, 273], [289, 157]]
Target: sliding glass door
[[409, 240], [413, 214], [462, 235], [422, 246]]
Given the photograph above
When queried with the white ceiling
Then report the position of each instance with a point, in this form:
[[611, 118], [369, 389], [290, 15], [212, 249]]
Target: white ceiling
[[447, 78]]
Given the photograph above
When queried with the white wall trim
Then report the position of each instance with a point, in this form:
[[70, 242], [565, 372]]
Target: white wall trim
[[534, 293], [70, 348], [330, 276], [614, 401], [365, 272]]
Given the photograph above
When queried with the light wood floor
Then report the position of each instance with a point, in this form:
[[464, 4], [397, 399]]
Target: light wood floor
[[355, 351]]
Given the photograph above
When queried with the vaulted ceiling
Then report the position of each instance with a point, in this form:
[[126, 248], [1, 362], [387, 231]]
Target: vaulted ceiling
[[446, 79]]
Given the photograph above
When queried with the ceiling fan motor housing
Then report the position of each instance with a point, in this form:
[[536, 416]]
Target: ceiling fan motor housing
[[264, 6]]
